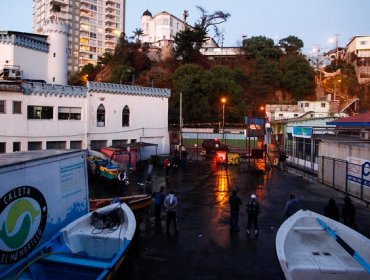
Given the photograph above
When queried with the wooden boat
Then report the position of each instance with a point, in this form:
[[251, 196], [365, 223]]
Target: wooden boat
[[137, 203], [311, 246], [82, 249], [101, 165]]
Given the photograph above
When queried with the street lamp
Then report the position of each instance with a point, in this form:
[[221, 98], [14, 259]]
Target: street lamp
[[335, 86], [223, 101], [123, 75]]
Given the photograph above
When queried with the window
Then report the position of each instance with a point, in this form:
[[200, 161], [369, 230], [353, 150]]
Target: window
[[32, 146], [69, 113], [2, 147], [53, 54], [323, 105], [100, 116], [17, 107], [306, 104], [76, 145], [119, 143], [2, 106], [295, 115], [16, 146], [126, 116], [55, 145], [39, 113]]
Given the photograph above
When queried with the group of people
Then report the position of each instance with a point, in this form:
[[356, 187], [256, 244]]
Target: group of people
[[169, 202], [253, 209], [348, 214]]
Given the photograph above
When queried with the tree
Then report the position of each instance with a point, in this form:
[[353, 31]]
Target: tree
[[298, 77], [291, 44], [189, 41], [215, 19], [261, 46], [137, 33]]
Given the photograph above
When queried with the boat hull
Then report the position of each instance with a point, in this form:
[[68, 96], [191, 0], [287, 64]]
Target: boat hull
[[82, 251], [305, 250], [137, 203]]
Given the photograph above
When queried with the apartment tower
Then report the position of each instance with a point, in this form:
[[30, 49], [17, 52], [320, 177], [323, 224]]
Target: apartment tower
[[95, 26]]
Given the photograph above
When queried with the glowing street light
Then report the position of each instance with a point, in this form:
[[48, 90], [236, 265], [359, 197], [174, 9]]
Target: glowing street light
[[223, 101]]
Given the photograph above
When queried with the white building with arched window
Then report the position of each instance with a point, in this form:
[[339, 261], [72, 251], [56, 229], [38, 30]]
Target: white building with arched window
[[36, 116]]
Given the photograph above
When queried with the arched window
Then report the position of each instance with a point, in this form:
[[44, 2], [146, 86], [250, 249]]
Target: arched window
[[126, 116], [100, 115]]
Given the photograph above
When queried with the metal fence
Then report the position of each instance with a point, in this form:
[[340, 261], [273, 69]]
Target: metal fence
[[344, 176]]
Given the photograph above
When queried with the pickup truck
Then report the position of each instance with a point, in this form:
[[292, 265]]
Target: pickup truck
[[211, 145]]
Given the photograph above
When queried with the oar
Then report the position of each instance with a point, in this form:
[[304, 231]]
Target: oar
[[345, 246]]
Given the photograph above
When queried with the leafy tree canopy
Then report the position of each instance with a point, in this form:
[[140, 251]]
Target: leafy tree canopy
[[261, 46], [298, 76], [291, 44]]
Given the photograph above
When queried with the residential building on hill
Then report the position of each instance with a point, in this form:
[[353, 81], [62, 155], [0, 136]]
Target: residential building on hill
[[95, 25], [358, 55], [159, 33], [303, 109], [37, 116]]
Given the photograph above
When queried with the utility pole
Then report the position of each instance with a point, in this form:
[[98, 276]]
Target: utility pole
[[336, 49], [180, 123]]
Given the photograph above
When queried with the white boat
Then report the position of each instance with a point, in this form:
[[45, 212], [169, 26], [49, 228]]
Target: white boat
[[312, 246], [83, 249]]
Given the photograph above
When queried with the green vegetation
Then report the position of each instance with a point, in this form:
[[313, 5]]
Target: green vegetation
[[262, 72]]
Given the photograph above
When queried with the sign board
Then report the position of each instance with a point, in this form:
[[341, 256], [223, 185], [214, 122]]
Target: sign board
[[255, 121], [302, 132], [359, 171], [41, 192]]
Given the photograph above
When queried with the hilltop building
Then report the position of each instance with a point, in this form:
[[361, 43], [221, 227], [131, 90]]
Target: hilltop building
[[358, 55], [95, 26], [159, 33]]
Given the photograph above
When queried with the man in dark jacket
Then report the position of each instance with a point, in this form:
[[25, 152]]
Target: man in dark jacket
[[291, 206], [234, 202], [253, 210], [158, 203]]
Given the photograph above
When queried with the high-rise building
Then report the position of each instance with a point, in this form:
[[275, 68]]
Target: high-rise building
[[95, 26]]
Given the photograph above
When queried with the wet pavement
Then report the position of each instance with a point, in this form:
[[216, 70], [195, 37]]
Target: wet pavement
[[204, 248]]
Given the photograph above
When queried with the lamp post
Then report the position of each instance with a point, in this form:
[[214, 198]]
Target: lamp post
[[335, 87], [123, 75], [223, 101]]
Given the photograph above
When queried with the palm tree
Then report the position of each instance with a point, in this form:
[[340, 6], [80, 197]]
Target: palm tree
[[137, 33]]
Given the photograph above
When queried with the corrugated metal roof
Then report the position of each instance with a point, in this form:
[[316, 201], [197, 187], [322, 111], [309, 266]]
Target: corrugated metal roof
[[356, 120]]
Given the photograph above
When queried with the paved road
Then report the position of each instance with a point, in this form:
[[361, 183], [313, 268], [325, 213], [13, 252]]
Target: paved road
[[204, 248]]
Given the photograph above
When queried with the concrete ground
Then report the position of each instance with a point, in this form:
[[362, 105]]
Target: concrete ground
[[205, 248]]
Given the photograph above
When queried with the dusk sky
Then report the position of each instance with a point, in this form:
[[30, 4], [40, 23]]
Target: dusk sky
[[315, 22]]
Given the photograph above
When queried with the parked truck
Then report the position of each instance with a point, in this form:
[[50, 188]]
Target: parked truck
[[40, 193]]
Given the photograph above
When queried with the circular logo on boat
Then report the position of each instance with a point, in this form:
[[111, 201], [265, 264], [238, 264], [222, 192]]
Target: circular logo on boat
[[23, 214]]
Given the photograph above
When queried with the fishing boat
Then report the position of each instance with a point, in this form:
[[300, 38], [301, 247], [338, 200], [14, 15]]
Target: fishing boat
[[101, 165], [312, 246], [137, 203], [91, 247]]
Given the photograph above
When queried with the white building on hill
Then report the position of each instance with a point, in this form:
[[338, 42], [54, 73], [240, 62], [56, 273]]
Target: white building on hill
[[37, 116]]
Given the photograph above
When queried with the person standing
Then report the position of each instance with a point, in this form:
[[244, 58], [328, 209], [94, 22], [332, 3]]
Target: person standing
[[331, 210], [167, 166], [148, 179], [349, 213], [234, 202], [158, 202], [282, 161], [253, 210], [123, 182], [170, 203], [176, 158], [291, 206], [184, 157]]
